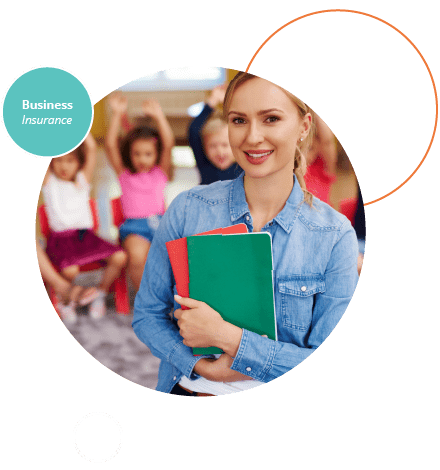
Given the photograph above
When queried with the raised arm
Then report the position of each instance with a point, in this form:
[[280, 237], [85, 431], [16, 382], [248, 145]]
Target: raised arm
[[46, 176], [195, 129], [152, 108], [90, 151], [118, 104]]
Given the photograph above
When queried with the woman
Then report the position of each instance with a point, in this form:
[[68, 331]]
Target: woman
[[314, 253]]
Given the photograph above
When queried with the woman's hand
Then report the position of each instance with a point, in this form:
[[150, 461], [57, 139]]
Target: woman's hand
[[201, 327], [219, 370]]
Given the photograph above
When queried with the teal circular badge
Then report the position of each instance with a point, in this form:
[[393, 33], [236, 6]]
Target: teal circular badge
[[47, 112]]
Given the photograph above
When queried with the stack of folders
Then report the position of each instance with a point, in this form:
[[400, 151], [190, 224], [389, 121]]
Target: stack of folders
[[231, 271]]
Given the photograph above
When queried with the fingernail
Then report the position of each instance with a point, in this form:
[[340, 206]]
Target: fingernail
[[177, 297]]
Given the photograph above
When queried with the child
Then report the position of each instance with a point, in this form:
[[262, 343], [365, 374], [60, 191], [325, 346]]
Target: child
[[65, 290], [72, 243], [209, 141], [143, 166]]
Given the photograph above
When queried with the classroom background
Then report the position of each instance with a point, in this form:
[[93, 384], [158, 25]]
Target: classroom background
[[181, 94]]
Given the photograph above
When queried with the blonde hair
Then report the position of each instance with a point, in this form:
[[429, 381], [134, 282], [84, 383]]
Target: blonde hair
[[301, 149], [213, 125]]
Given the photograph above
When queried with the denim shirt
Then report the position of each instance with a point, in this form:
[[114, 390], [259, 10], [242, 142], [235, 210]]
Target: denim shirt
[[315, 273]]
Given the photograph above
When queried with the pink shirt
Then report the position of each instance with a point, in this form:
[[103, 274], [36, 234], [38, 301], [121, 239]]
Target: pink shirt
[[143, 193]]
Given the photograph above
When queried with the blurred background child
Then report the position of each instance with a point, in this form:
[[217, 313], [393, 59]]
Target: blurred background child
[[143, 166], [72, 242], [331, 178], [208, 138]]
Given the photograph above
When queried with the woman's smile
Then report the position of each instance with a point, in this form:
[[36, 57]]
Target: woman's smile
[[265, 127], [257, 157]]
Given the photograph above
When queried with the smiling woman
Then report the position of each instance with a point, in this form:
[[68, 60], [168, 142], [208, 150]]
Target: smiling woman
[[279, 119], [314, 252]]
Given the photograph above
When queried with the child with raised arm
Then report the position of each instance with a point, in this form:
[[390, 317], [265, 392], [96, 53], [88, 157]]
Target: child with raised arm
[[208, 138], [143, 166], [72, 243]]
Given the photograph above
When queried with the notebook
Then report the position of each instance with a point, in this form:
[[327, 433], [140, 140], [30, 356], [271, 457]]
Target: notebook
[[178, 254], [233, 275]]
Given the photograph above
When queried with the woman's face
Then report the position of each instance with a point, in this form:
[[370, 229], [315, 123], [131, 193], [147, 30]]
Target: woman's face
[[264, 128], [143, 154]]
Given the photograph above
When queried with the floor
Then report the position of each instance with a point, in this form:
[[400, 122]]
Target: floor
[[112, 341]]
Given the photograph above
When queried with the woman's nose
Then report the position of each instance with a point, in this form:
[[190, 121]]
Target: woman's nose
[[254, 135]]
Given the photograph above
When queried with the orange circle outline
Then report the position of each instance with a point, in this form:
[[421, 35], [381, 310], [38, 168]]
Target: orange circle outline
[[412, 44]]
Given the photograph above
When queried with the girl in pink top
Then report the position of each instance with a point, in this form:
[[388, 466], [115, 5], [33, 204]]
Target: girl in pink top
[[143, 165]]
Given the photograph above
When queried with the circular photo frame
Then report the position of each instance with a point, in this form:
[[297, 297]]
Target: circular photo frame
[[206, 237]]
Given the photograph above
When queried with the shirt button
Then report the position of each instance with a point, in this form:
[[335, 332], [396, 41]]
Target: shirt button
[[175, 377], [248, 369], [303, 288], [247, 217]]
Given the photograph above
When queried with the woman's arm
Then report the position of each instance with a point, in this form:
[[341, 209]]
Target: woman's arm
[[152, 108], [118, 103], [201, 326], [261, 358], [265, 359], [152, 322], [90, 151]]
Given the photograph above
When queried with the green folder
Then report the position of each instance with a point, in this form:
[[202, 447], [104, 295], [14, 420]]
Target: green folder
[[233, 275]]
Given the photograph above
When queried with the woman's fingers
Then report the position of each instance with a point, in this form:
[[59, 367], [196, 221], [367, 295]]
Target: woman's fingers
[[187, 302]]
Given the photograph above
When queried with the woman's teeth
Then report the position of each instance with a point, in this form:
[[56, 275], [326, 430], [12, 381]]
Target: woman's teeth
[[259, 155]]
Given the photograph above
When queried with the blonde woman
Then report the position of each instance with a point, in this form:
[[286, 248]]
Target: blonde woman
[[314, 254]]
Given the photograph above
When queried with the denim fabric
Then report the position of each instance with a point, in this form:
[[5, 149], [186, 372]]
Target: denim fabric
[[315, 273], [144, 227]]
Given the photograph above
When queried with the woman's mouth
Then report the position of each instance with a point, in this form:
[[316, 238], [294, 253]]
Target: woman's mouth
[[256, 157]]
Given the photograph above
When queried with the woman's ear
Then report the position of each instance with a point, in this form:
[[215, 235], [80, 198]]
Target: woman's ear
[[306, 125]]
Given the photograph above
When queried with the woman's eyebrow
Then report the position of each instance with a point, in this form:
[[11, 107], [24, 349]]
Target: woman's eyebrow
[[236, 112], [264, 111]]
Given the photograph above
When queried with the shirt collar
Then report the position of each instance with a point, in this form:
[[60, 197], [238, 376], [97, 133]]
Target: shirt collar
[[286, 218]]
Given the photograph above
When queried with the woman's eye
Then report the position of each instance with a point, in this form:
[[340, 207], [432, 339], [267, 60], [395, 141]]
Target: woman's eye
[[238, 120], [272, 119]]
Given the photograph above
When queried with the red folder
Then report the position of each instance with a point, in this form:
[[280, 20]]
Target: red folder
[[178, 254]]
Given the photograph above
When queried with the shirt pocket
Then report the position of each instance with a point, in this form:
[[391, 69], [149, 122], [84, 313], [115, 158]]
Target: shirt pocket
[[297, 294]]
